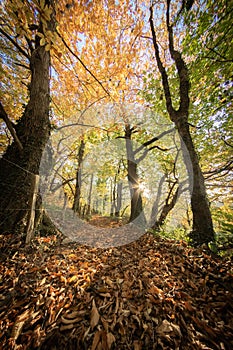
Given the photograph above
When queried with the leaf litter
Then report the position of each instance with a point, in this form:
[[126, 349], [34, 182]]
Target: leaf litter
[[153, 293]]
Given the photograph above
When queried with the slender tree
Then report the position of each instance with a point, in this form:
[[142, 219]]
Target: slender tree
[[77, 194], [202, 231]]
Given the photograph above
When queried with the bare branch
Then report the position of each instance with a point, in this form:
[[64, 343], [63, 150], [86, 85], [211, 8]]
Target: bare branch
[[22, 65], [156, 138], [54, 189]]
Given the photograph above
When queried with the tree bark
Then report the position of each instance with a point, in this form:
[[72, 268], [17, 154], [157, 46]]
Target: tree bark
[[202, 230], [18, 167]]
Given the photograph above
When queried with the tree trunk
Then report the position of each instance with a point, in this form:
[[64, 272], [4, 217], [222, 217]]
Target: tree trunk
[[155, 208], [116, 199], [202, 230], [119, 199], [76, 204], [136, 209], [18, 168], [170, 203], [89, 196]]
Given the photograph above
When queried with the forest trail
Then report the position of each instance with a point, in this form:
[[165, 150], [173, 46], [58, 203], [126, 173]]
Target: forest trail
[[100, 231], [105, 221], [150, 294]]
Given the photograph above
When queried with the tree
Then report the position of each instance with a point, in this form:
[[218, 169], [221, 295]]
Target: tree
[[136, 207], [174, 189], [19, 165], [210, 30], [77, 195], [117, 189], [30, 41], [202, 231]]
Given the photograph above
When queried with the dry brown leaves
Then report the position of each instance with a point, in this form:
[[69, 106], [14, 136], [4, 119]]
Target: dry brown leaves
[[150, 294]]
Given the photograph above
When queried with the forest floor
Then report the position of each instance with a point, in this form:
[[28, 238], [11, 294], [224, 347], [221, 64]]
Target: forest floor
[[150, 294]]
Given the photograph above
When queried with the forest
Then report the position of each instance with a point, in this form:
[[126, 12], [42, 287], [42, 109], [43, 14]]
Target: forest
[[116, 174]]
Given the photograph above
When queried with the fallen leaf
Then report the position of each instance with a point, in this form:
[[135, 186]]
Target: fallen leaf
[[96, 340], [110, 339], [165, 327], [94, 315]]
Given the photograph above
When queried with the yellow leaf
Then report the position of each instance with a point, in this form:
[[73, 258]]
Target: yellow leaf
[[47, 47], [42, 41], [73, 278], [40, 35], [42, 3]]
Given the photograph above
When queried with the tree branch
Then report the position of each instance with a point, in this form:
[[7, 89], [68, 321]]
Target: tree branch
[[4, 116], [156, 138], [166, 88], [181, 68], [62, 184], [81, 62], [227, 143], [81, 124], [15, 44], [227, 167]]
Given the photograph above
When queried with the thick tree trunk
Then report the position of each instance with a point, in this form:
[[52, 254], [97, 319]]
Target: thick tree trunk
[[202, 230], [17, 168], [136, 198]]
